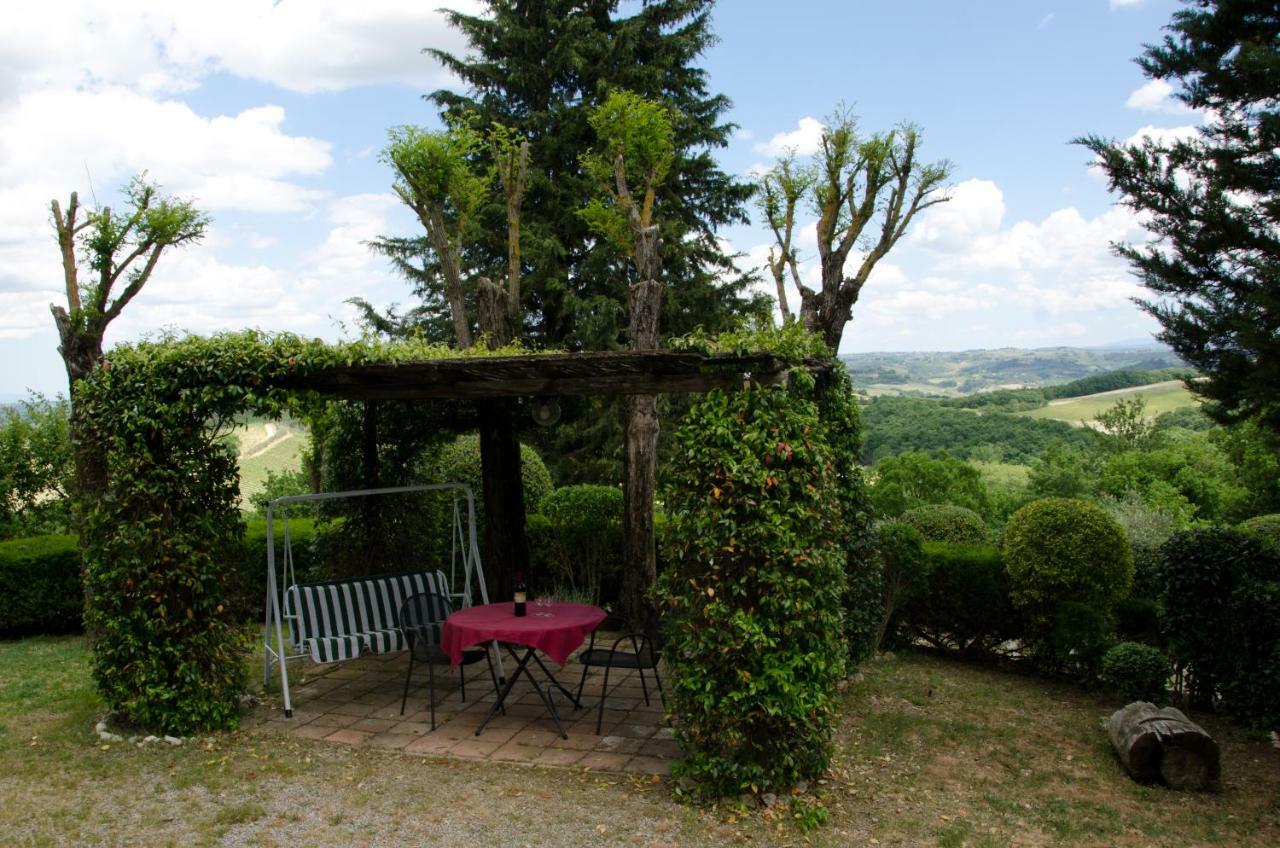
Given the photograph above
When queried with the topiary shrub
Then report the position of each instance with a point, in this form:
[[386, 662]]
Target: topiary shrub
[[947, 523], [904, 569], [459, 462], [1067, 559], [1264, 528], [1136, 672], [1221, 590], [964, 605], [753, 590], [586, 539], [40, 589]]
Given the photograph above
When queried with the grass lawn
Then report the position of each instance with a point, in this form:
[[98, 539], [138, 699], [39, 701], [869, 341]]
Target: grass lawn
[[930, 752], [1161, 397]]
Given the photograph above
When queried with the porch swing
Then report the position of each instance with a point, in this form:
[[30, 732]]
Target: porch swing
[[334, 620]]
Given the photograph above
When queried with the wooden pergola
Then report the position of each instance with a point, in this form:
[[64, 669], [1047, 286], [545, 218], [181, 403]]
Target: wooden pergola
[[494, 382]]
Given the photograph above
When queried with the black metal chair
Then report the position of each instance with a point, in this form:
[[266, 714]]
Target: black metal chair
[[421, 620], [644, 654]]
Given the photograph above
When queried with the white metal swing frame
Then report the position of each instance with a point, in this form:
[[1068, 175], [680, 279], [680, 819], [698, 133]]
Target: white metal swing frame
[[464, 542]]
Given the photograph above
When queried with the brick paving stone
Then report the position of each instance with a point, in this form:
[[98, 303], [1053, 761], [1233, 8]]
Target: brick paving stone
[[474, 749], [391, 741], [619, 745], [412, 728], [348, 737], [311, 731], [664, 748], [635, 730], [374, 725], [335, 720], [577, 741], [516, 753], [559, 756], [353, 709], [602, 761], [430, 744], [648, 765]]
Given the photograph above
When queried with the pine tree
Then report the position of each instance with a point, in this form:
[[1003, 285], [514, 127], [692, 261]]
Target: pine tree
[[538, 66], [1213, 202]]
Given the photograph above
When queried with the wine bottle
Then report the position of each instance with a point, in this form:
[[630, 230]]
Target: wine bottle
[[521, 594]]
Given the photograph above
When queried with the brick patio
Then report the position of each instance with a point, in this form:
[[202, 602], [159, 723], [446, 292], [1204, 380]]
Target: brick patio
[[358, 703]]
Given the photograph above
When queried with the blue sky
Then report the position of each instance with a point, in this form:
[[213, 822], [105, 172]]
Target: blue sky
[[271, 115]]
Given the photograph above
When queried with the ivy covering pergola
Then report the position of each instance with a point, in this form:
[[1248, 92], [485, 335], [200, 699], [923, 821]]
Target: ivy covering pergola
[[167, 652]]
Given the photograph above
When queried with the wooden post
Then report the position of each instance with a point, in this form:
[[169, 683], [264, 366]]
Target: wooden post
[[505, 549], [640, 463]]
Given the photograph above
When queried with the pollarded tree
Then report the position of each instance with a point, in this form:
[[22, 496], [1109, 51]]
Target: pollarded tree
[[435, 178], [633, 156], [873, 185], [1213, 203], [120, 251]]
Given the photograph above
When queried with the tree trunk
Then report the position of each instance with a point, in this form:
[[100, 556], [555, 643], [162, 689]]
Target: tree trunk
[[640, 565], [1163, 744], [505, 549], [495, 313]]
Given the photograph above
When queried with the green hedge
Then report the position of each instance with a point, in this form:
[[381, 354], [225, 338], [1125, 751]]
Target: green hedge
[[947, 523], [40, 588], [964, 605], [586, 540]]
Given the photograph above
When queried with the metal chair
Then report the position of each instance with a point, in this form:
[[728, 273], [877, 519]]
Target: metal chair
[[421, 620], [646, 650]]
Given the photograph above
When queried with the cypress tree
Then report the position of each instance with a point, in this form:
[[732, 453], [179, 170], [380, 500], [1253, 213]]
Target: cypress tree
[[537, 66]]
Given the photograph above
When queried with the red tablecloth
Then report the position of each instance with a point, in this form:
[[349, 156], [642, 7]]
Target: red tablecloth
[[556, 636]]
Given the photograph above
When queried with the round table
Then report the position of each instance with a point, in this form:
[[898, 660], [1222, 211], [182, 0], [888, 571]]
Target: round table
[[557, 632]]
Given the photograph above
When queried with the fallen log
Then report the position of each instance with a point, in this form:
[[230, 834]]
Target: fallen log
[[1164, 745]]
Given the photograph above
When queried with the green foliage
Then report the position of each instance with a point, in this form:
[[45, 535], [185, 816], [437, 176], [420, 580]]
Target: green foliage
[[965, 604], [1019, 400], [1069, 564], [1062, 471], [947, 523], [1136, 672], [635, 150], [896, 425], [1221, 590], [169, 648], [904, 569], [1187, 476], [910, 480], [1264, 528], [40, 589], [35, 468], [459, 462], [1147, 529], [294, 481], [540, 72], [586, 539], [1209, 203], [1125, 426], [434, 171], [1254, 452], [754, 589]]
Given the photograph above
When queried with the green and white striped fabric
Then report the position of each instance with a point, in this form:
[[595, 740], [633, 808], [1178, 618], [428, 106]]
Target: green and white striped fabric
[[338, 619]]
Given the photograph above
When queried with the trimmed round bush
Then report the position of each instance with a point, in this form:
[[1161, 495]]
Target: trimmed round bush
[[964, 605], [1264, 528], [1062, 549], [1136, 672], [1069, 563], [904, 572], [947, 523], [459, 462], [1221, 590]]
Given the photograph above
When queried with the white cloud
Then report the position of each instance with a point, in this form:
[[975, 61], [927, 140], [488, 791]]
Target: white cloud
[[976, 207], [1156, 96], [1163, 135], [805, 139], [1046, 20], [1121, 4], [156, 46]]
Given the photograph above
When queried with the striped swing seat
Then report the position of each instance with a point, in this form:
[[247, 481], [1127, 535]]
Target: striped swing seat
[[336, 620]]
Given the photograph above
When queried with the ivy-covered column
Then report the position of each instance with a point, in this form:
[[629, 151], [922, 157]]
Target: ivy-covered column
[[755, 589]]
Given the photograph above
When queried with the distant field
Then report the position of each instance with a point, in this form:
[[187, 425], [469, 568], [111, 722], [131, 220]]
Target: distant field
[[1005, 473], [1160, 397], [267, 446]]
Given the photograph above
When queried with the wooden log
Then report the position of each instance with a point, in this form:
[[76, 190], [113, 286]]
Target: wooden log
[[640, 463], [1164, 745]]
